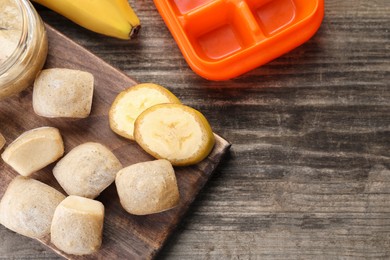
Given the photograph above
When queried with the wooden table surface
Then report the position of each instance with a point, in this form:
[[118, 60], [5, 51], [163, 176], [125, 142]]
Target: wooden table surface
[[308, 173]]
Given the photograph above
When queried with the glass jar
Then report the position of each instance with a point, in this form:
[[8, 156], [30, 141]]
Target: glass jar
[[23, 28]]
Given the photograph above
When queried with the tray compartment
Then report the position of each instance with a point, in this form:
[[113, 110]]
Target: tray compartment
[[273, 15], [219, 30]]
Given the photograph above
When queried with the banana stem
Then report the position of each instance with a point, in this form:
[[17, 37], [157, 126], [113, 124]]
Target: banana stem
[[134, 31]]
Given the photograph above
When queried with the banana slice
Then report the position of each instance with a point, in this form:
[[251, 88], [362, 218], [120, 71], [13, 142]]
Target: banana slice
[[33, 150], [174, 132], [2, 141], [130, 103]]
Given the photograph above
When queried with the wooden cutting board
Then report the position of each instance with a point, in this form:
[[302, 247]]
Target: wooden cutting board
[[125, 236]]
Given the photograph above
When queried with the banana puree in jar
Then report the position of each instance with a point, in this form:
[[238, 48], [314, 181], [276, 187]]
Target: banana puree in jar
[[10, 28], [23, 46]]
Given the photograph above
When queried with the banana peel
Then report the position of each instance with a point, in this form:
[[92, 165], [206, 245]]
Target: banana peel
[[114, 18]]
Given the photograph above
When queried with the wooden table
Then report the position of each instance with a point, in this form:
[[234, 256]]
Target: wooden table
[[308, 173]]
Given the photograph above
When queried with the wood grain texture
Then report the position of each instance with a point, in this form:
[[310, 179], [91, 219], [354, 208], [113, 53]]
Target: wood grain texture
[[308, 174], [124, 235]]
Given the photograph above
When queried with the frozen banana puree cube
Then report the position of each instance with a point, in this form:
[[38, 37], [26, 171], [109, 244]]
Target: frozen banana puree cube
[[147, 187], [77, 226], [87, 170], [62, 92], [28, 206], [34, 149]]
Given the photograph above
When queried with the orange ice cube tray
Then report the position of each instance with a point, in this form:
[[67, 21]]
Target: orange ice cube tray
[[222, 39]]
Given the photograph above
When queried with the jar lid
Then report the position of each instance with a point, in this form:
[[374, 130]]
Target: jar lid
[[222, 39]]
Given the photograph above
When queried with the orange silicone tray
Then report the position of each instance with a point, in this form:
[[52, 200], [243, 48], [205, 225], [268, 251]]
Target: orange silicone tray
[[222, 39]]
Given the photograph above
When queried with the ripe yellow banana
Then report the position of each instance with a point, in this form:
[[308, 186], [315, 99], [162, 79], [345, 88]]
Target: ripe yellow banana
[[113, 18]]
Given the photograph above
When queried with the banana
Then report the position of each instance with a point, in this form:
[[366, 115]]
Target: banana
[[113, 18], [174, 132], [130, 103], [127, 11]]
